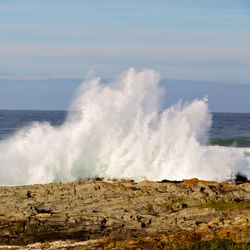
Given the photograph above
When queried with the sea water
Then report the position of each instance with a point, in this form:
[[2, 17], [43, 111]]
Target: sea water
[[123, 130]]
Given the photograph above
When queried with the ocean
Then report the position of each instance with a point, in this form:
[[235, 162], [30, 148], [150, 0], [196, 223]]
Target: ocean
[[13, 120], [121, 130], [228, 129]]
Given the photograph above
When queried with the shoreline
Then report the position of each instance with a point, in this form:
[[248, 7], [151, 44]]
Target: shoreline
[[94, 209], [239, 179]]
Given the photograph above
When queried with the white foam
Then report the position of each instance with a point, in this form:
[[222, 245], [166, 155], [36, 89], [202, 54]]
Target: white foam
[[117, 130]]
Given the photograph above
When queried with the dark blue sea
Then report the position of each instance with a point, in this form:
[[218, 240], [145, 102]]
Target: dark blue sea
[[228, 129]]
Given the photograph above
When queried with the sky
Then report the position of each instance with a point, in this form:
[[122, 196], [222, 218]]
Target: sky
[[195, 40], [57, 94], [198, 40]]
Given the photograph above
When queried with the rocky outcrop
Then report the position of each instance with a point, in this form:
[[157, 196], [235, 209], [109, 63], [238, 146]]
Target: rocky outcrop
[[84, 210]]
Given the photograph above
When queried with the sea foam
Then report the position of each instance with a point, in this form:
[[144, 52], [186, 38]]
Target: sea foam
[[119, 130]]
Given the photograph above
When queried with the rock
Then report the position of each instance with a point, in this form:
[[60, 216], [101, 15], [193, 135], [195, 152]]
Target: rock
[[91, 209], [196, 181]]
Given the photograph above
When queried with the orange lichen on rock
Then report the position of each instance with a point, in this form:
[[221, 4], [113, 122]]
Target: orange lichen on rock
[[185, 237], [196, 181], [224, 183]]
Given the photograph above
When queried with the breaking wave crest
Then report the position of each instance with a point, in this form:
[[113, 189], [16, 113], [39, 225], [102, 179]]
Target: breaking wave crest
[[118, 130]]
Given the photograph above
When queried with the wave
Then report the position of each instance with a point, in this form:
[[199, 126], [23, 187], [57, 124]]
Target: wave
[[118, 130], [231, 142]]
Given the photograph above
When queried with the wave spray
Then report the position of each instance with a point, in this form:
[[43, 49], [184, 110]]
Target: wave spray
[[119, 130]]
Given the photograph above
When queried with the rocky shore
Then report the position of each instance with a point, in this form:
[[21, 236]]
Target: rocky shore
[[92, 214]]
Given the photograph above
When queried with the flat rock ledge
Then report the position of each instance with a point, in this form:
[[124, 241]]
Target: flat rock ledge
[[93, 214]]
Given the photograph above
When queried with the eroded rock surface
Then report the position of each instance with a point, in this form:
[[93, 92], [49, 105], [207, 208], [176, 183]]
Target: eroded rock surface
[[84, 210]]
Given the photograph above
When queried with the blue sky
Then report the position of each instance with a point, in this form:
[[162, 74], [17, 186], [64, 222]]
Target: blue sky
[[183, 39]]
